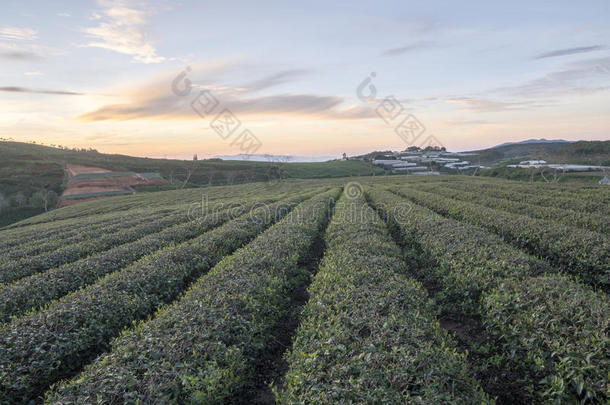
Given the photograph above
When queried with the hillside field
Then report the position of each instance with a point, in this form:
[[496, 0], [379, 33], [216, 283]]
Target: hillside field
[[27, 169], [392, 289]]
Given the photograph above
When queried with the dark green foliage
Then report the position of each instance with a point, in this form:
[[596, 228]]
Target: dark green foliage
[[593, 199], [464, 260], [46, 346], [550, 329], [492, 254], [583, 253], [12, 270], [557, 330], [39, 289], [592, 221], [11, 215], [368, 333], [202, 349]]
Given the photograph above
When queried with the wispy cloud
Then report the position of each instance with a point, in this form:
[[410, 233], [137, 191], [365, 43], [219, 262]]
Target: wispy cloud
[[33, 74], [14, 89], [64, 15], [174, 108], [569, 51], [465, 122], [485, 105], [275, 79], [154, 100], [29, 51], [576, 78], [582, 77], [407, 48], [19, 34], [20, 56], [123, 29]]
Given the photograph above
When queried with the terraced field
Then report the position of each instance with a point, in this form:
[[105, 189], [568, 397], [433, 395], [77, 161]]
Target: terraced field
[[387, 290]]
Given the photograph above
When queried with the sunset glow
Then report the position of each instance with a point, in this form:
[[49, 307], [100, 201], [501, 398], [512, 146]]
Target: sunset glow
[[99, 73]]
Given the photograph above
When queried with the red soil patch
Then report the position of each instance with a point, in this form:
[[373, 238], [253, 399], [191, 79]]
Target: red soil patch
[[74, 170], [99, 184], [89, 189]]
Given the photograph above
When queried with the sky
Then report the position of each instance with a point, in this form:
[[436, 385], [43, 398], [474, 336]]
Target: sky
[[314, 78]]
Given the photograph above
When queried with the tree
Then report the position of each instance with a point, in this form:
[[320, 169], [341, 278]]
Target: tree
[[19, 200], [4, 202], [188, 172], [45, 199], [556, 175]]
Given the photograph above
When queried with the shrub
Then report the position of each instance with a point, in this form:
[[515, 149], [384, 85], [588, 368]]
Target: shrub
[[557, 330], [580, 252], [203, 348], [369, 334], [550, 328], [46, 346], [40, 289]]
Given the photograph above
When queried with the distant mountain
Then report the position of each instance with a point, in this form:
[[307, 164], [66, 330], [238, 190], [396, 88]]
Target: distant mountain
[[530, 141], [552, 151], [277, 158]]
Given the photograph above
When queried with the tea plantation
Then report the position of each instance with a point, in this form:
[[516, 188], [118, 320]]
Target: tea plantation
[[394, 289]]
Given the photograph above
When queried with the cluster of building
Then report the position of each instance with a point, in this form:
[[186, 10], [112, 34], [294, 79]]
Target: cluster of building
[[529, 164], [422, 162]]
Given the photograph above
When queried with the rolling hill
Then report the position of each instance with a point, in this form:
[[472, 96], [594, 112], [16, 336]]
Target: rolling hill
[[27, 169], [397, 289], [552, 151]]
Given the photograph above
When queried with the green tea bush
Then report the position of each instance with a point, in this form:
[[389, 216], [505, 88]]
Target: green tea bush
[[580, 252], [550, 328], [203, 348], [49, 345], [368, 333], [40, 289], [557, 330]]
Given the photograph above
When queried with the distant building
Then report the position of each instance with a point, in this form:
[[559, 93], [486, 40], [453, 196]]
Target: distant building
[[386, 162], [427, 173], [575, 168], [457, 165], [410, 169], [532, 162]]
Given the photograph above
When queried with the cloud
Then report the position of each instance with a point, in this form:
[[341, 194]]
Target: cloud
[[275, 79], [351, 113], [20, 56], [466, 122], [172, 107], [569, 51], [33, 74], [582, 77], [19, 34], [122, 29], [484, 105], [302, 104], [407, 48], [156, 101], [64, 15], [577, 78], [28, 51], [13, 89]]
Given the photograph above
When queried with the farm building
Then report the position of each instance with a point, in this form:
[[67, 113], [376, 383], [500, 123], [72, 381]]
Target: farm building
[[532, 162]]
